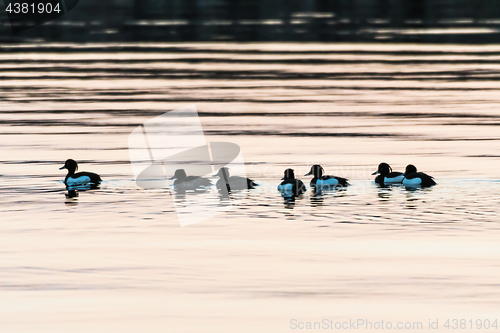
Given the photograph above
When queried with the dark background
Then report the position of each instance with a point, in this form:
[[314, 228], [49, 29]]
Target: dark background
[[426, 21]]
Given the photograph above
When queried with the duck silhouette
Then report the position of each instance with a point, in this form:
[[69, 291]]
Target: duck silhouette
[[185, 182], [290, 186], [81, 179], [414, 178], [386, 176], [321, 181], [230, 183]]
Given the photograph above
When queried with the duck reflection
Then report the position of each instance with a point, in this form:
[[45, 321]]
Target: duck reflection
[[181, 194], [74, 191], [72, 194], [225, 198], [317, 198], [182, 191], [412, 199], [71, 198], [319, 194], [385, 192], [73, 203], [289, 202]]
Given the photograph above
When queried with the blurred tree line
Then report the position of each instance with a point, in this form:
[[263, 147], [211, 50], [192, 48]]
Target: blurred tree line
[[455, 21]]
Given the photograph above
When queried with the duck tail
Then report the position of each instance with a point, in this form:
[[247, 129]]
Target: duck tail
[[344, 182]]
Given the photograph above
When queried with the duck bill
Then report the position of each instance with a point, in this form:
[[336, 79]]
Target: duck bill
[[171, 178], [375, 173], [283, 178], [308, 174], [63, 167]]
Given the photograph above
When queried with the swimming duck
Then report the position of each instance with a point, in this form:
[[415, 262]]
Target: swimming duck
[[80, 178], [183, 181], [290, 186], [414, 178], [387, 176], [227, 182], [325, 181]]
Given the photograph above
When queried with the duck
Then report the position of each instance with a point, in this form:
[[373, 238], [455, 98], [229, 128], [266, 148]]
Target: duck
[[387, 176], [414, 178], [290, 186], [81, 178], [228, 182], [183, 181], [325, 181]]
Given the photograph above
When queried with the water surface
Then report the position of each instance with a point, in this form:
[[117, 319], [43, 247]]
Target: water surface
[[116, 259]]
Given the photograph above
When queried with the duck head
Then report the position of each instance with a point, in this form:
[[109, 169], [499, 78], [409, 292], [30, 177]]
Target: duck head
[[410, 168], [71, 165], [316, 170], [223, 173], [383, 169], [179, 174], [289, 174]]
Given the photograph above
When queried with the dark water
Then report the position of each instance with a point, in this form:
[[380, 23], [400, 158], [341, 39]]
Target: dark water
[[116, 259]]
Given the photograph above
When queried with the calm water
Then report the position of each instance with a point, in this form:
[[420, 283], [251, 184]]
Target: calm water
[[116, 259]]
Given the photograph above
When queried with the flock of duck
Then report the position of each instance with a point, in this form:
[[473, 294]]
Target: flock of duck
[[385, 176], [289, 187]]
